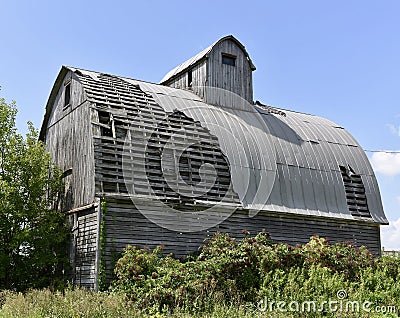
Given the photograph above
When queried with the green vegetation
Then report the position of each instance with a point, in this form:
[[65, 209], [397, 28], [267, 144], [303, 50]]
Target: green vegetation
[[102, 276], [230, 278], [33, 231], [244, 272]]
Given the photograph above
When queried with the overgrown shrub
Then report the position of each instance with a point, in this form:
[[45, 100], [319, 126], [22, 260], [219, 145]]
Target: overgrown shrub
[[228, 278], [244, 272]]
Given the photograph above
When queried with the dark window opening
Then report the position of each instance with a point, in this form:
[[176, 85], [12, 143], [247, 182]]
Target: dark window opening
[[228, 59], [355, 192], [190, 78], [67, 94], [104, 119]]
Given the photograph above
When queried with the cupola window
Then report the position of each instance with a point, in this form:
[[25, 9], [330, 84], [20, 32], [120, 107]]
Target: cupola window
[[228, 59]]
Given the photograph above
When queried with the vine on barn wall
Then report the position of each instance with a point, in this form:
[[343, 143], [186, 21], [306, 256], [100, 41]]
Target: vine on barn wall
[[114, 254], [102, 276]]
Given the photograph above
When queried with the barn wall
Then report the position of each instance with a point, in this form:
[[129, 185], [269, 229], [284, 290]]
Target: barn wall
[[236, 79], [85, 247], [214, 81], [126, 225], [199, 74], [78, 96], [180, 81], [199, 79], [68, 139]]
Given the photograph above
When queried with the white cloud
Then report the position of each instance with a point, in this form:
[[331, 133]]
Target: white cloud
[[386, 163], [398, 199], [394, 130], [390, 235]]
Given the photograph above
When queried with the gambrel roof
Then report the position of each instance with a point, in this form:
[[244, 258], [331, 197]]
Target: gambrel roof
[[265, 158]]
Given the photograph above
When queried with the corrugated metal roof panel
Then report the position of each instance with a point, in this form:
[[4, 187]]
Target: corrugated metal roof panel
[[323, 148]]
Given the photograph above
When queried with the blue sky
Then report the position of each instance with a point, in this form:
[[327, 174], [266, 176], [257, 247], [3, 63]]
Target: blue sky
[[336, 59]]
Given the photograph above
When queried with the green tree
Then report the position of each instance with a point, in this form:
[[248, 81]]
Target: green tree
[[33, 230]]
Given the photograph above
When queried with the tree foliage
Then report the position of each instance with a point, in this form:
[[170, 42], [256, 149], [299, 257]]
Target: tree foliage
[[33, 231]]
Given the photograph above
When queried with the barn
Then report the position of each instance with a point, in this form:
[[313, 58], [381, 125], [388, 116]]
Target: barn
[[171, 163]]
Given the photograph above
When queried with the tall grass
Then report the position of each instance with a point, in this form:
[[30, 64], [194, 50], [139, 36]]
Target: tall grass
[[88, 304], [71, 303]]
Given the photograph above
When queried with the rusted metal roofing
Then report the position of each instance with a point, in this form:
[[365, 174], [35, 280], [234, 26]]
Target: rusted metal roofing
[[297, 163]]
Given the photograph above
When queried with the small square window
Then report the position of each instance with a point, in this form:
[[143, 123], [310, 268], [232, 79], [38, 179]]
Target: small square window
[[67, 94], [228, 59]]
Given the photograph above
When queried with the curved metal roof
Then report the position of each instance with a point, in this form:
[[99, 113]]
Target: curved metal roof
[[284, 164], [289, 163]]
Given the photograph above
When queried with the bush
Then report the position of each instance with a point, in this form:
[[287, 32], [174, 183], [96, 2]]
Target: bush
[[342, 257], [225, 270], [243, 272]]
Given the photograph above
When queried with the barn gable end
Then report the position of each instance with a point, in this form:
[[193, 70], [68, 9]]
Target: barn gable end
[[220, 74], [67, 126]]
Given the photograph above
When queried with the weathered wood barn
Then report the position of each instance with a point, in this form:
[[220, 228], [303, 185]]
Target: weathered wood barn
[[171, 163]]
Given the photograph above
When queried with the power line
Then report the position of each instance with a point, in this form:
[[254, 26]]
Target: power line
[[384, 151]]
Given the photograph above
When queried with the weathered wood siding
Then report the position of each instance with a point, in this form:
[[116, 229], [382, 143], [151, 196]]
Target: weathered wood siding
[[230, 79], [214, 81], [199, 79], [126, 225], [70, 143], [86, 240]]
